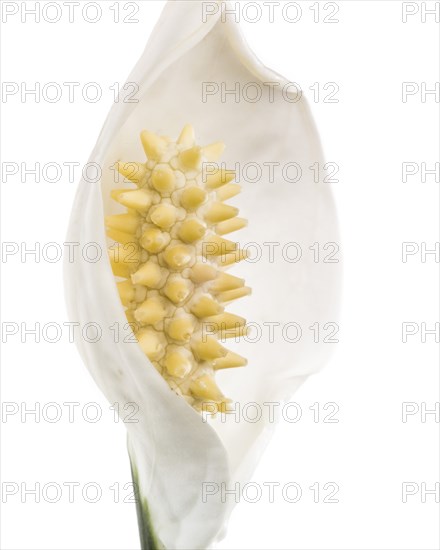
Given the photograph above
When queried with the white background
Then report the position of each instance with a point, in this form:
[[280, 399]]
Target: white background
[[369, 453]]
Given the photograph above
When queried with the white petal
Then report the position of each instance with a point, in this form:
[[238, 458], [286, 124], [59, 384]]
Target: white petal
[[174, 451]]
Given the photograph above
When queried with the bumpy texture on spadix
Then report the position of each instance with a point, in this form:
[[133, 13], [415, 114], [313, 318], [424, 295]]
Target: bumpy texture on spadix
[[170, 258]]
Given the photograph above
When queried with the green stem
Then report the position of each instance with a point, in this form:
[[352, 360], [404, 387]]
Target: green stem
[[149, 541]]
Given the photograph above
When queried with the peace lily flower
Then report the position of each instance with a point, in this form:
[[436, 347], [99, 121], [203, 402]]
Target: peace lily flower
[[162, 207]]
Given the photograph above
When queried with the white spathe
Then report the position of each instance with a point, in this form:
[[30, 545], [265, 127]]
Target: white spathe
[[174, 451]]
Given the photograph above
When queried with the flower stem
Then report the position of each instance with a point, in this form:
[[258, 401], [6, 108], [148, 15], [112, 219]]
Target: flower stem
[[149, 541]]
